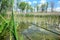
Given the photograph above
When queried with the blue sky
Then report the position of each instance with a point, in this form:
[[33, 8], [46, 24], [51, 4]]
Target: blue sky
[[33, 2]]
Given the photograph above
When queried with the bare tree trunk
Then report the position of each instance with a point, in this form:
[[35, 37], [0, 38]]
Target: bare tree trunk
[[52, 6]]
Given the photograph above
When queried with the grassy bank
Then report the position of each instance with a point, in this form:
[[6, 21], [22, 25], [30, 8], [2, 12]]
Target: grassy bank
[[21, 22]]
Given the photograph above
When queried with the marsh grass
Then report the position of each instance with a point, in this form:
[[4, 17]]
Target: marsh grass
[[9, 28]]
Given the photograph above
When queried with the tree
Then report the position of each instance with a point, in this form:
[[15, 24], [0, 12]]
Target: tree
[[5, 5], [42, 7], [46, 6], [31, 9], [52, 6], [37, 7], [27, 7], [22, 6]]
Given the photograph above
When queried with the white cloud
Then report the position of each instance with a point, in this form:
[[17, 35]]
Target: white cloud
[[24, 0], [49, 9], [43, 1], [29, 2], [58, 9], [58, 2], [55, 9], [34, 1], [39, 5]]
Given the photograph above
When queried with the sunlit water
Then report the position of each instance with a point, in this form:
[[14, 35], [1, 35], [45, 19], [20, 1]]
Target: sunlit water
[[37, 33], [32, 32]]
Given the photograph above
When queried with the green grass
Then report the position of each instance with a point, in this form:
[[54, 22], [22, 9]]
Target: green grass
[[18, 23], [8, 25]]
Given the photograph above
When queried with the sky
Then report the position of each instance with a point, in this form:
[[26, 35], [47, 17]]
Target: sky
[[33, 2]]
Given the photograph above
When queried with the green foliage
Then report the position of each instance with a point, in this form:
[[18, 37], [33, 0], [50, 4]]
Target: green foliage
[[22, 6], [21, 37], [21, 15], [31, 9], [3, 27], [8, 26], [37, 8], [5, 5], [29, 15], [44, 7]]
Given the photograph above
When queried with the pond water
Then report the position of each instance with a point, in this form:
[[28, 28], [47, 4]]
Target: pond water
[[50, 20], [33, 32], [36, 33]]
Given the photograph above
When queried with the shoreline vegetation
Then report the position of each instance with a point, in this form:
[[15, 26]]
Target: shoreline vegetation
[[21, 21]]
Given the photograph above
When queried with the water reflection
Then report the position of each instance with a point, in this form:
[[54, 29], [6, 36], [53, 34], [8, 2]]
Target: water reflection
[[37, 33], [33, 32]]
